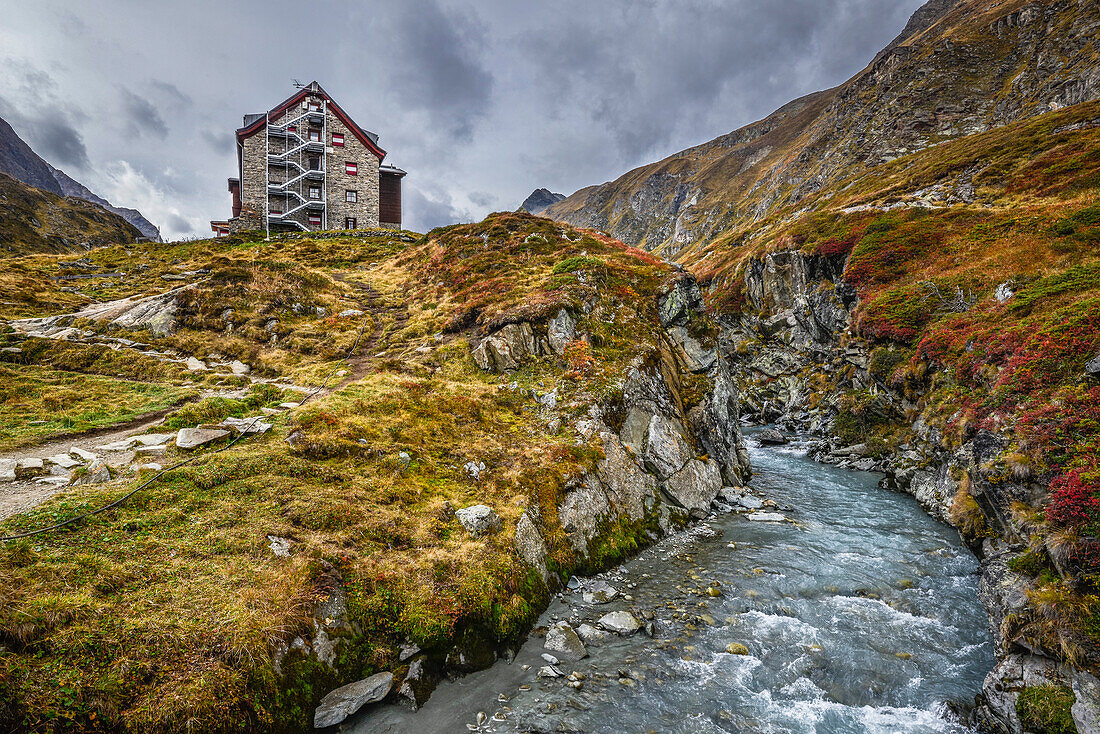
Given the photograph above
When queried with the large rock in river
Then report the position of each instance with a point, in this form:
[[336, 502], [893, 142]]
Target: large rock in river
[[345, 701]]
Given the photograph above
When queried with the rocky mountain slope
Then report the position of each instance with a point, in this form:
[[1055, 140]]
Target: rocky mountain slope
[[958, 68], [937, 318], [23, 164], [525, 401], [539, 200], [35, 220]]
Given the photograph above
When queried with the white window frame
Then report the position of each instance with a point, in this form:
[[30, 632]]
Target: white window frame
[[351, 196]]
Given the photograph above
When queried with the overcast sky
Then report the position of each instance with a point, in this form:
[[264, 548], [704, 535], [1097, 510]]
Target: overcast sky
[[481, 101]]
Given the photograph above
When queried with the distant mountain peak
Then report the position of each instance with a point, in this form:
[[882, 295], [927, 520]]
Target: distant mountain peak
[[539, 200], [19, 161]]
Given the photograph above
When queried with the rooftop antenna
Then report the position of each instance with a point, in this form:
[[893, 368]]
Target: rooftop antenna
[[298, 84]]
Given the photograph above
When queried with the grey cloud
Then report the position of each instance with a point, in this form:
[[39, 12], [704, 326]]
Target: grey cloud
[[59, 143], [436, 65], [142, 117], [178, 225], [422, 212], [220, 142]]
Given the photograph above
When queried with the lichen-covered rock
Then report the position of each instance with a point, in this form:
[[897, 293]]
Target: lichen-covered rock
[[582, 509], [716, 425], [1086, 709], [478, 520], [666, 450], [676, 306], [630, 490], [530, 545], [506, 348], [695, 356], [560, 330], [344, 701]]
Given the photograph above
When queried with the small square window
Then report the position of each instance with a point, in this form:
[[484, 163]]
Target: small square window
[[314, 136], [352, 169], [314, 106], [349, 223], [351, 196], [315, 192], [338, 140]]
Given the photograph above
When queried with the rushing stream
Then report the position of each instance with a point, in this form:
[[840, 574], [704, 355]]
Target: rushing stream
[[862, 616]]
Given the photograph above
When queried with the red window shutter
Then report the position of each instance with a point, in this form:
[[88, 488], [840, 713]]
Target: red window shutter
[[338, 140], [352, 169]]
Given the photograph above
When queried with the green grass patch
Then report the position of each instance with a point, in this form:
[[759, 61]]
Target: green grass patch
[[38, 403]]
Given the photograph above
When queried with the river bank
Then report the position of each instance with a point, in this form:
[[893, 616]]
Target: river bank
[[859, 615]]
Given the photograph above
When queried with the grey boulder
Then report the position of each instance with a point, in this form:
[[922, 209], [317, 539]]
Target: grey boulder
[[621, 623], [346, 700], [192, 438], [478, 519], [563, 641]]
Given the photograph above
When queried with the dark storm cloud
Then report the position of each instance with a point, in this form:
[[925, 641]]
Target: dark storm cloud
[[33, 107], [642, 72], [436, 64], [142, 118], [58, 142]]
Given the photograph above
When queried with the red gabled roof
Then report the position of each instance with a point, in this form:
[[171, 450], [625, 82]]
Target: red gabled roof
[[310, 90]]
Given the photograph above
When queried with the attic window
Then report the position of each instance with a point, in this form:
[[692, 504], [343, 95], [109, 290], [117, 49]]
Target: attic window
[[314, 106], [338, 140], [352, 169]]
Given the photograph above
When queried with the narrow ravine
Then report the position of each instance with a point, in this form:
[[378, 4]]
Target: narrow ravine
[[860, 616]]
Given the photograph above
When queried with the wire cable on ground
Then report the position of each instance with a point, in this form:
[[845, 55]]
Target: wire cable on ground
[[177, 465]]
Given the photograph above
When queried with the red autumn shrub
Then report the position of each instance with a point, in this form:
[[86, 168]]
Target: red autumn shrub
[[1074, 502]]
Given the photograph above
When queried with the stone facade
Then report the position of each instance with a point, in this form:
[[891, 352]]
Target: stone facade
[[328, 155]]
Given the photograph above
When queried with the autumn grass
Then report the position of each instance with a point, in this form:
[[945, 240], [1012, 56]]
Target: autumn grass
[[37, 404], [168, 609]]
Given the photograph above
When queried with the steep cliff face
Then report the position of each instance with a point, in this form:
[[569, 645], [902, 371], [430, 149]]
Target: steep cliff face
[[958, 68]]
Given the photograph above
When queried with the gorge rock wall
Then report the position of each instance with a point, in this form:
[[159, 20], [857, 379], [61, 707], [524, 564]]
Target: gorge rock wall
[[796, 356]]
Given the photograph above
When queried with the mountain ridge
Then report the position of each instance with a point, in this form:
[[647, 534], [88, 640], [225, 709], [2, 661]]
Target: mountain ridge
[[957, 68], [18, 160]]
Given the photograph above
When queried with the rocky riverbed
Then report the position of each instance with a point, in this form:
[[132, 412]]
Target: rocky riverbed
[[836, 607]]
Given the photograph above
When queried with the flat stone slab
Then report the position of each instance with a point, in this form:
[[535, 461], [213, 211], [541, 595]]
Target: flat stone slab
[[346, 700], [192, 438], [85, 456], [7, 470], [63, 460], [766, 517], [246, 425]]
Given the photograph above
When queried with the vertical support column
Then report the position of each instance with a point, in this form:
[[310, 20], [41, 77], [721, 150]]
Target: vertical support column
[[267, 177], [324, 163]]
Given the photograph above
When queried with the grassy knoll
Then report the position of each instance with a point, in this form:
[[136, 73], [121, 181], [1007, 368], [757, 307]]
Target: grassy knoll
[[169, 609]]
